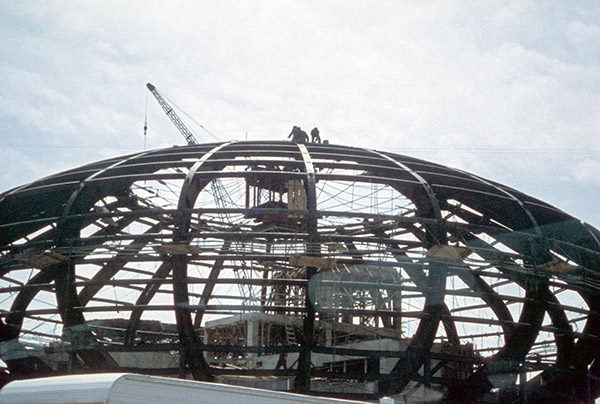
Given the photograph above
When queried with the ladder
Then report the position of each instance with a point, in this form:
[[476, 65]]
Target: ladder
[[290, 334]]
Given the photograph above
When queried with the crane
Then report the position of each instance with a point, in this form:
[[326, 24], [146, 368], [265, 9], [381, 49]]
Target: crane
[[189, 136], [220, 194]]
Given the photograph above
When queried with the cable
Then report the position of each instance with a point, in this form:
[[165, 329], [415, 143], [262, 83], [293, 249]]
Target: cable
[[146, 121], [191, 119]]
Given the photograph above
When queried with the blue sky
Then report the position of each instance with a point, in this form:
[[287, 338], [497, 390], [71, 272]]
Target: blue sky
[[508, 90]]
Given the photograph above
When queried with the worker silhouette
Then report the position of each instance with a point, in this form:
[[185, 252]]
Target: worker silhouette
[[315, 137], [298, 135], [293, 133]]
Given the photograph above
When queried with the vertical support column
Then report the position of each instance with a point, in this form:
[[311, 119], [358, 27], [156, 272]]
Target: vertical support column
[[190, 356], [313, 249], [75, 328], [307, 341], [252, 338], [522, 382], [427, 370], [397, 307], [65, 301], [329, 337], [264, 287]]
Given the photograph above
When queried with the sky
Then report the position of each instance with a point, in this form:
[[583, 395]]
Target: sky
[[507, 90]]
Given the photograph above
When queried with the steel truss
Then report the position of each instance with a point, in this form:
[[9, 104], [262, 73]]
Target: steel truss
[[314, 263]]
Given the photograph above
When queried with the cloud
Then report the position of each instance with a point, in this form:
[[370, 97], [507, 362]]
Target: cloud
[[586, 39], [505, 90], [586, 171]]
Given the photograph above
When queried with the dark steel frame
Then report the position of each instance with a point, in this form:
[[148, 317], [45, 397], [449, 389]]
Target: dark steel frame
[[544, 252]]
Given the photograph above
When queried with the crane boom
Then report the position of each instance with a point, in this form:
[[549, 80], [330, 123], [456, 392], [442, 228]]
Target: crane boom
[[189, 136]]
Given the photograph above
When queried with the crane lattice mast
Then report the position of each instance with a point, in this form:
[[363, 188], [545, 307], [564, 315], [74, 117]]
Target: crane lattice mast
[[189, 136]]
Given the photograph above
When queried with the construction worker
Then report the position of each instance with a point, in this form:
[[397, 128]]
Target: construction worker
[[302, 136], [298, 135], [293, 133], [316, 138]]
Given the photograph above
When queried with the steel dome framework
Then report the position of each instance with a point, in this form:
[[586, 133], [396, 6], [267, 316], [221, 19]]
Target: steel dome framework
[[416, 274]]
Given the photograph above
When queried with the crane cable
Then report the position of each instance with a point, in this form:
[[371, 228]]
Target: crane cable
[[146, 121], [189, 117]]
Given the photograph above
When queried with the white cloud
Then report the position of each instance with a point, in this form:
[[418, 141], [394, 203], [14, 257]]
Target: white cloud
[[585, 38], [449, 81], [586, 171]]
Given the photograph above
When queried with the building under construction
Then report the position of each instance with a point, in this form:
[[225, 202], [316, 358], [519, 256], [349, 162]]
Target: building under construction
[[313, 268]]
